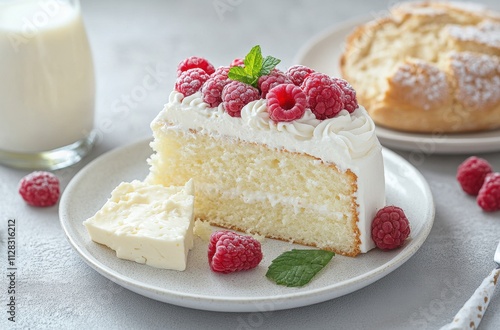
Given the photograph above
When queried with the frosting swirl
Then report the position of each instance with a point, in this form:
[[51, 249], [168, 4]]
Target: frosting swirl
[[255, 115], [195, 101], [355, 131]]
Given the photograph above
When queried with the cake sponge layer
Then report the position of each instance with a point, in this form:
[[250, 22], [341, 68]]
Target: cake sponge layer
[[253, 188]]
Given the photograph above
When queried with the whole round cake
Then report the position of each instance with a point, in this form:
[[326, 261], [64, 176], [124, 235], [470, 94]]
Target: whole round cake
[[430, 67], [287, 155]]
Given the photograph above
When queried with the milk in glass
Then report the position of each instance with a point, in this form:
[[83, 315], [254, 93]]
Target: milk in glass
[[46, 76]]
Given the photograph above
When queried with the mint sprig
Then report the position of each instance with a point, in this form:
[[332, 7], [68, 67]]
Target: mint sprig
[[268, 65], [255, 67], [296, 268]]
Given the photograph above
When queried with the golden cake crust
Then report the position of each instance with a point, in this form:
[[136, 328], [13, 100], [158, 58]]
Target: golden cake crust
[[428, 67]]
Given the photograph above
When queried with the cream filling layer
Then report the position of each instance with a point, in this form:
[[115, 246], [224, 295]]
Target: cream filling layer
[[295, 203]]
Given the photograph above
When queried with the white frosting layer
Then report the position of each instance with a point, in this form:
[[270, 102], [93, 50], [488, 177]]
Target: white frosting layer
[[343, 138], [348, 140]]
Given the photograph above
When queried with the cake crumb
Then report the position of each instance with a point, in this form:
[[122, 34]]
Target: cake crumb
[[202, 229], [259, 238]]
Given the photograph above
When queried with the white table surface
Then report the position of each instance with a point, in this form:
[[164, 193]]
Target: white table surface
[[131, 39]]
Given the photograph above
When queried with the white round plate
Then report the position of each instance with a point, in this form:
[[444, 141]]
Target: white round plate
[[250, 291], [323, 52]]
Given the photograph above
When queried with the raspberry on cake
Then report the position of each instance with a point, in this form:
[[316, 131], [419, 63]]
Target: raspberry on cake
[[237, 62], [313, 176], [325, 98], [212, 88], [190, 81], [236, 95], [273, 79], [195, 62], [350, 100], [297, 73], [286, 102]]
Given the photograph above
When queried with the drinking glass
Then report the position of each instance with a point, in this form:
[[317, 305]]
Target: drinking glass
[[47, 85]]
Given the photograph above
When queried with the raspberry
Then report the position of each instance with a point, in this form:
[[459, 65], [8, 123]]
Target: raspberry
[[212, 88], [237, 62], [489, 195], [390, 228], [325, 99], [212, 91], [298, 73], [190, 81], [471, 174], [40, 188], [195, 62], [230, 252], [236, 95], [273, 79], [286, 102], [350, 100]]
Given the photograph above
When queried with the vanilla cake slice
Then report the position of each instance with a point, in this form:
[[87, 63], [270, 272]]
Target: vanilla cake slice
[[308, 181]]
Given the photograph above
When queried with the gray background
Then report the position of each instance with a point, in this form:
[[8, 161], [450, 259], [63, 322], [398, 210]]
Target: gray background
[[133, 39]]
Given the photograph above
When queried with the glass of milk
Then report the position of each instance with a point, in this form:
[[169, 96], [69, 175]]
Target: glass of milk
[[47, 86]]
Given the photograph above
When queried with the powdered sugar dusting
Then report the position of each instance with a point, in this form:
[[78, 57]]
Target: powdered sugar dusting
[[41, 180], [422, 11], [477, 9], [468, 6], [478, 79], [487, 33], [422, 83], [417, 9]]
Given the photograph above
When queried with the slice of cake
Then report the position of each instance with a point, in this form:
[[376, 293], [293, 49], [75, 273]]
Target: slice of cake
[[148, 224], [301, 164]]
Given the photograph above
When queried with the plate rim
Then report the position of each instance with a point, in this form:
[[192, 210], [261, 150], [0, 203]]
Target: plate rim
[[284, 301], [350, 23], [455, 144]]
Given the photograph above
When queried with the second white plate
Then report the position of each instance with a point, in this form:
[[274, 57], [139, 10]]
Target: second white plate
[[322, 53], [198, 287]]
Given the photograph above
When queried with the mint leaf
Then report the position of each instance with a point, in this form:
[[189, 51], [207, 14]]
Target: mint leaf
[[268, 65], [238, 73], [297, 267], [255, 67], [253, 61]]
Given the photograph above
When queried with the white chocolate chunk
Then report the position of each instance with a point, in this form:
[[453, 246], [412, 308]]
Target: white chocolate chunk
[[149, 224]]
